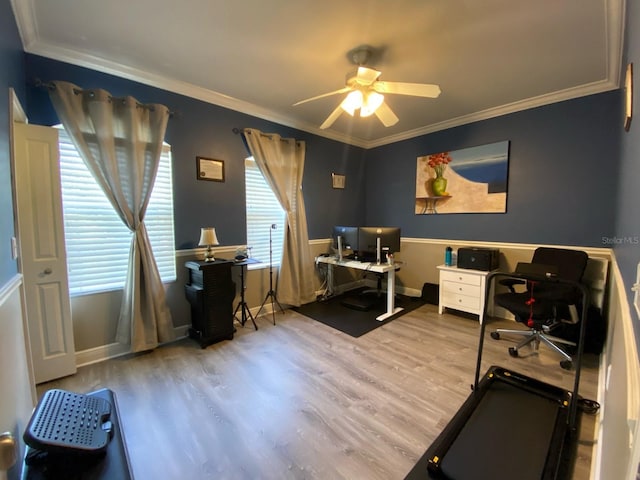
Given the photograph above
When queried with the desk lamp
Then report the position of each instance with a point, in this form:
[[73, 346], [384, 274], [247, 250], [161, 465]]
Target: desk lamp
[[207, 239]]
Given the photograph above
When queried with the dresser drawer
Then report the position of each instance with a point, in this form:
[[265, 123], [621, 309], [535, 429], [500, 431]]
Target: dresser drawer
[[462, 289], [461, 302], [470, 279]]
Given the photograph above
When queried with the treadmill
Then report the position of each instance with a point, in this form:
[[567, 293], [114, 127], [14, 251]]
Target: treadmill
[[511, 425]]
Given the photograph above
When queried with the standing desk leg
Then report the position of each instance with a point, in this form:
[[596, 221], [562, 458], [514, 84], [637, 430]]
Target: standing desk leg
[[391, 294]]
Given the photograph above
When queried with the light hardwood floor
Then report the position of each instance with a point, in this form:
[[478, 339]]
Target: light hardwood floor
[[301, 400]]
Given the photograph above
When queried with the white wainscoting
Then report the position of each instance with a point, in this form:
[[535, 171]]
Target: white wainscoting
[[16, 378], [617, 448]]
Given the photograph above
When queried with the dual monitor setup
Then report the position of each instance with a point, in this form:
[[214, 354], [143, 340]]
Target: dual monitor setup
[[366, 244]]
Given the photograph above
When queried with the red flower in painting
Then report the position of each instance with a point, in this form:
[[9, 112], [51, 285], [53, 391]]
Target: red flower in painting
[[439, 162]]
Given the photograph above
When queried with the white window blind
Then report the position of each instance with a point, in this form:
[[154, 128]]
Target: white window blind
[[97, 241], [263, 210]]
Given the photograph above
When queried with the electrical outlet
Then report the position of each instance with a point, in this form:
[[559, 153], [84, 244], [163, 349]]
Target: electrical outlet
[[14, 248]]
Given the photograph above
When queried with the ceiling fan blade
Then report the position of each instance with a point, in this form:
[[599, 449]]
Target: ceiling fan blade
[[332, 118], [336, 92], [415, 89], [386, 115], [367, 76]]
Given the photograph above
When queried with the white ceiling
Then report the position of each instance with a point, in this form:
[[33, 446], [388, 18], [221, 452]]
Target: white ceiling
[[490, 57]]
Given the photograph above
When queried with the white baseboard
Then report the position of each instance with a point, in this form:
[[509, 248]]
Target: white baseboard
[[114, 350]]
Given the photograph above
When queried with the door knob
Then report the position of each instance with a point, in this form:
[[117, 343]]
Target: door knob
[[8, 451], [47, 271]]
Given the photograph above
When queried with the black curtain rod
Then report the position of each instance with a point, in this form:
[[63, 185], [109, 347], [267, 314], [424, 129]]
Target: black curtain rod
[[52, 86], [237, 130]]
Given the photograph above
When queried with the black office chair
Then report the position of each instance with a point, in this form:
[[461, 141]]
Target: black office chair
[[548, 301]]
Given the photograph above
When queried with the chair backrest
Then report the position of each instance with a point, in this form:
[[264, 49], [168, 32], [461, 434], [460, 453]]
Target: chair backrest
[[571, 263]]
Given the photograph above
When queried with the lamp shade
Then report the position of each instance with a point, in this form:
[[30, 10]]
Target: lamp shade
[[208, 237], [352, 102], [371, 103]]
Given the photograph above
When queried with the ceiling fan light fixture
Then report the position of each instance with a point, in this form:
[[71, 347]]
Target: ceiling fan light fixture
[[372, 101], [352, 102], [365, 92]]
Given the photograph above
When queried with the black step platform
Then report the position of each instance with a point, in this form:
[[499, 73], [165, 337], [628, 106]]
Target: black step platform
[[76, 437]]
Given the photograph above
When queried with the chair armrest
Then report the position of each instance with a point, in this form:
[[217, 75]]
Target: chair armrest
[[511, 283]]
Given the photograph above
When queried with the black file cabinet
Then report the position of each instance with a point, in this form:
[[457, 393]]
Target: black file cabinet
[[210, 292]]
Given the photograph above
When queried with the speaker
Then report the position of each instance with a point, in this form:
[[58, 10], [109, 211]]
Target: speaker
[[431, 293], [478, 258]]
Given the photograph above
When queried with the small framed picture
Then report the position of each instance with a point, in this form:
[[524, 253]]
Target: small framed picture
[[210, 169], [337, 180], [628, 101]]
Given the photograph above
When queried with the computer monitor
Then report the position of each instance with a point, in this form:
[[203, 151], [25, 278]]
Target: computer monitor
[[345, 240], [375, 242]]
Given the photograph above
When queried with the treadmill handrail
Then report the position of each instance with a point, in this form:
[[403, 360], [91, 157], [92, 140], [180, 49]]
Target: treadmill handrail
[[580, 344]]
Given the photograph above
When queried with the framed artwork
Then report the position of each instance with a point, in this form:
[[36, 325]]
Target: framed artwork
[[210, 169], [337, 180], [471, 180], [628, 100]]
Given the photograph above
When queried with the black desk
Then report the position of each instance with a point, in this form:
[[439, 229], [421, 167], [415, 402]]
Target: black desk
[[245, 312], [113, 465]]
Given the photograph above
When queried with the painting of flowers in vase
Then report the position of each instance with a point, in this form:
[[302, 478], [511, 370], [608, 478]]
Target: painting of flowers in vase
[[470, 180]]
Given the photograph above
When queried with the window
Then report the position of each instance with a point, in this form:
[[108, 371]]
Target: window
[[97, 241], [263, 210]]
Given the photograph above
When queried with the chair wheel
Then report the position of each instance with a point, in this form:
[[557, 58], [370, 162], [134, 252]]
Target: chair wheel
[[495, 335], [513, 352], [566, 364]]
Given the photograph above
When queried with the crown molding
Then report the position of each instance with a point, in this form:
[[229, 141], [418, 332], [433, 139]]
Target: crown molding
[[24, 12], [534, 102], [85, 60], [209, 96]]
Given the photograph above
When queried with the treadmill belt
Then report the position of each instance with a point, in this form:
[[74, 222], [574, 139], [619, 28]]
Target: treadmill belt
[[507, 436]]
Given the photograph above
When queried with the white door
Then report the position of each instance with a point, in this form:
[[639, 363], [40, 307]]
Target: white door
[[43, 260]]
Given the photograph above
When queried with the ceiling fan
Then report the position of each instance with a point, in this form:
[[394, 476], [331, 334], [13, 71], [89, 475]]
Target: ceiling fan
[[366, 92]]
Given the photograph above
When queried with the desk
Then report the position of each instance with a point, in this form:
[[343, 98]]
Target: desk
[[243, 305], [390, 270]]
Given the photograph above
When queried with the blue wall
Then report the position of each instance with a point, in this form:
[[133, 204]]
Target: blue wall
[[563, 168], [572, 174], [202, 129], [11, 75]]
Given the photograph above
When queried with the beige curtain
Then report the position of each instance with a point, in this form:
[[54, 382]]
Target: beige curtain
[[281, 161], [120, 141]]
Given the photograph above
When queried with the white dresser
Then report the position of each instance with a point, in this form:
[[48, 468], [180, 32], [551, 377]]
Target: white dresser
[[462, 289]]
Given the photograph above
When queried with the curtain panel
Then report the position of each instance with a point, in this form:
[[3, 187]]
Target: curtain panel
[[120, 141], [281, 161]]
